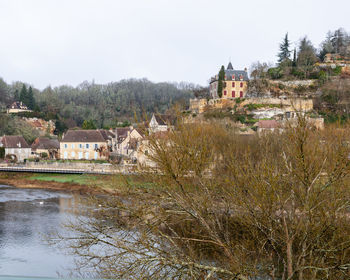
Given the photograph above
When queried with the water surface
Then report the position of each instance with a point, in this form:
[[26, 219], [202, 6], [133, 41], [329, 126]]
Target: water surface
[[27, 217]]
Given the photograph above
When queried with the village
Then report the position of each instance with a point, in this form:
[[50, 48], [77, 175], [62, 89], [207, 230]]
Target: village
[[230, 100]]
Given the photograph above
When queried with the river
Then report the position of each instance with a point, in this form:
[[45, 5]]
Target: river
[[27, 218]]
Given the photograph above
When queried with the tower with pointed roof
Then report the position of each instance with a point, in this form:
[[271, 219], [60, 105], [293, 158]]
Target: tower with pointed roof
[[235, 83]]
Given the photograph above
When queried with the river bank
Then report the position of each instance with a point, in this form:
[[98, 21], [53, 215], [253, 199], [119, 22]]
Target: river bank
[[79, 183]]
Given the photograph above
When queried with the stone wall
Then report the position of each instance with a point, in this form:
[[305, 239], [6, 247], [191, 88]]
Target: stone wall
[[90, 167], [295, 104]]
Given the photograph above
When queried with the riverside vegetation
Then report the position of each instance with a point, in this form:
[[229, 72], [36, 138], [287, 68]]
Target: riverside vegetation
[[225, 206]]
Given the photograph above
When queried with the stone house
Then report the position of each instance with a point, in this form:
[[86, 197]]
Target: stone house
[[46, 145], [86, 144], [16, 147], [161, 122], [17, 107], [128, 141], [267, 126], [235, 83]]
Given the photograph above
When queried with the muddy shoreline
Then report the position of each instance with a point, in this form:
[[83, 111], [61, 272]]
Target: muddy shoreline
[[51, 185]]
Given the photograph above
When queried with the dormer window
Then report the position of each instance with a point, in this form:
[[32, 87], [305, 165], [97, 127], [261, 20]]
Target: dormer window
[[225, 77], [241, 77], [233, 76]]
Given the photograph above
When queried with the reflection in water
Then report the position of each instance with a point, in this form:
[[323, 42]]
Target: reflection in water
[[26, 217]]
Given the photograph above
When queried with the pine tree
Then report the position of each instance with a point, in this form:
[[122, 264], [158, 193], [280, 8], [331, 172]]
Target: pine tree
[[284, 50], [16, 95], [221, 80], [294, 58], [31, 100], [23, 95]]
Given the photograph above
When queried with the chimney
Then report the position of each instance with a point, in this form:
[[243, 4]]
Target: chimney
[[245, 69]]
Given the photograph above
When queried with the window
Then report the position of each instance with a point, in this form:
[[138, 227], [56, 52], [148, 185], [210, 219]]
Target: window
[[233, 76], [241, 85], [233, 84], [87, 146], [233, 93], [225, 77], [96, 146], [80, 146], [241, 94], [225, 92], [65, 146], [73, 146]]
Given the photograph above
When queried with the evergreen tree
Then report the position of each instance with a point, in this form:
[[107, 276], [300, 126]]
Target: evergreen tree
[[31, 100], [23, 95], [284, 50], [306, 56], [221, 80], [294, 58], [16, 95]]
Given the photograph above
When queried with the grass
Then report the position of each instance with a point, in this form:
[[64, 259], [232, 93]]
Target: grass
[[83, 179], [106, 182], [118, 183]]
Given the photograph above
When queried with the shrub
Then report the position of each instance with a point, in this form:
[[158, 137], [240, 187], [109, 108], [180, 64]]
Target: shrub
[[44, 155]]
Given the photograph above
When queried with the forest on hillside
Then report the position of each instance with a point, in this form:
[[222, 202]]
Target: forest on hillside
[[106, 105]]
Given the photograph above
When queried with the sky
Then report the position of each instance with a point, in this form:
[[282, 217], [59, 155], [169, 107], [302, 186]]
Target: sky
[[66, 42]]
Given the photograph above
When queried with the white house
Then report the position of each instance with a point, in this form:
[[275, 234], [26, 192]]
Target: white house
[[16, 146], [160, 122]]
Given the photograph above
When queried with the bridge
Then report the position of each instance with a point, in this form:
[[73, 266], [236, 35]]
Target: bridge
[[56, 170]]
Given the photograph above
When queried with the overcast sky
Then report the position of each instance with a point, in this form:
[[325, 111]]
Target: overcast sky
[[55, 42]]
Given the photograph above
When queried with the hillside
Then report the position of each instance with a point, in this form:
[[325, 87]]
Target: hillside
[[105, 104]]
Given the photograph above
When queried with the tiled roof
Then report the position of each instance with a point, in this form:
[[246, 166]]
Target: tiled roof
[[122, 131], [106, 134], [45, 143], [14, 142], [165, 119], [83, 136], [268, 124]]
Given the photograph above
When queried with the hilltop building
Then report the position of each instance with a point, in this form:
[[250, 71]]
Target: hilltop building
[[17, 107], [235, 83]]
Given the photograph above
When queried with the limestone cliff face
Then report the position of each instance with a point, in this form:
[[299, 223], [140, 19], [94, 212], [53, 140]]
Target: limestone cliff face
[[295, 104], [44, 127]]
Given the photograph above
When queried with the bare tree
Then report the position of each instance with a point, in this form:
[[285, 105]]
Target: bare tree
[[226, 207]]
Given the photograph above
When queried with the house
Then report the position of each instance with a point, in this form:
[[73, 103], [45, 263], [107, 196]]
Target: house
[[267, 126], [128, 141], [235, 83], [145, 149], [16, 147], [48, 146], [161, 122], [86, 144], [17, 107]]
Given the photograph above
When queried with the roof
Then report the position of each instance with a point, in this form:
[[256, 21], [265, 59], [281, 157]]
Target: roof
[[17, 105], [106, 134], [163, 119], [16, 141], [268, 124], [83, 136], [45, 143], [122, 133], [233, 75]]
